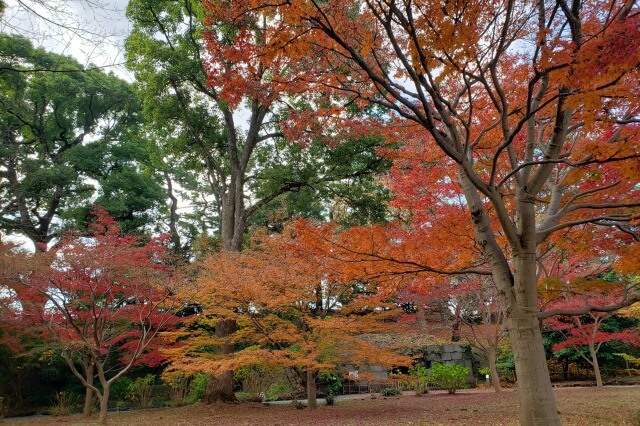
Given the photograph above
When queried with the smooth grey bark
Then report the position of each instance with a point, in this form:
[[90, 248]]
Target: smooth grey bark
[[88, 394], [493, 369], [312, 401], [518, 293], [595, 364]]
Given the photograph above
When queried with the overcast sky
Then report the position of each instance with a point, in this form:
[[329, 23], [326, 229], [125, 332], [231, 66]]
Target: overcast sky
[[92, 31]]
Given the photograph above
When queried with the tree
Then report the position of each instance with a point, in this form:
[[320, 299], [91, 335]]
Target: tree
[[180, 96], [589, 329], [214, 112], [106, 296], [482, 320], [291, 311], [532, 107], [61, 128], [15, 362], [211, 100]]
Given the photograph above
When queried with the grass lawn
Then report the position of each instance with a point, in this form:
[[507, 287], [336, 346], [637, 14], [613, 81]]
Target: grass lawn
[[578, 406]]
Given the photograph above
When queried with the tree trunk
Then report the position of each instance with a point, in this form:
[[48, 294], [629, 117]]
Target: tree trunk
[[232, 221], [88, 394], [565, 368], [17, 389], [537, 402], [311, 389], [493, 369], [516, 282], [596, 365], [220, 388], [104, 405]]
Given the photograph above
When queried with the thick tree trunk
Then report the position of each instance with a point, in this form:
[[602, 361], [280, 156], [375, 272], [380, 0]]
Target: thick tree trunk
[[88, 394], [17, 389], [493, 369], [596, 365], [104, 405], [311, 389], [537, 402], [220, 388], [232, 221], [516, 282]]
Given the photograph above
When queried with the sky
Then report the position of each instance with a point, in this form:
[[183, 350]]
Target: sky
[[92, 31]]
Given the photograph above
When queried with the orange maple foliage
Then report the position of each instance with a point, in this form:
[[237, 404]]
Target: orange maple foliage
[[533, 108], [292, 310]]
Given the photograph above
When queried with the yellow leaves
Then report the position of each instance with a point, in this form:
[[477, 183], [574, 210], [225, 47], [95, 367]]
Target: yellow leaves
[[628, 261], [291, 307]]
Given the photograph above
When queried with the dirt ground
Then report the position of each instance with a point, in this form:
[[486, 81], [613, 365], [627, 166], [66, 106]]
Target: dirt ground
[[611, 405]]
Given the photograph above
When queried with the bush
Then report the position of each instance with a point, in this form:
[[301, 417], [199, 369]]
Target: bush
[[331, 382], [449, 376], [119, 390], [389, 392], [198, 387], [277, 390], [178, 388], [140, 390], [64, 405], [257, 379], [419, 379]]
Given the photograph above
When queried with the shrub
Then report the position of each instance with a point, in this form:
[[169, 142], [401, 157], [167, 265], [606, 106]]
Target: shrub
[[449, 376], [140, 390], [119, 390], [257, 379], [389, 392], [64, 405], [419, 379], [178, 388], [2, 409], [331, 382], [277, 390], [198, 386]]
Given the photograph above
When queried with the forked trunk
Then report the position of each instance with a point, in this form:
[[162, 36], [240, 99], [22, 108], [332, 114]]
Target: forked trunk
[[232, 221], [596, 365], [88, 394], [537, 402], [104, 405], [311, 389]]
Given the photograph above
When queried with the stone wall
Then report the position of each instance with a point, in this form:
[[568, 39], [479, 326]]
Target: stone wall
[[450, 354]]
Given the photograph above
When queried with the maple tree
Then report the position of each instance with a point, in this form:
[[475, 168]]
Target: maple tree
[[482, 319], [465, 308], [12, 330], [532, 107], [213, 109], [292, 310], [105, 294], [587, 330]]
